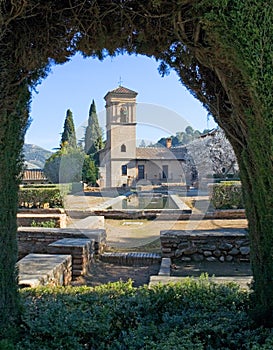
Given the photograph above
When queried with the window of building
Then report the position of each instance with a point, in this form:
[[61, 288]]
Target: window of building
[[124, 170], [165, 172], [123, 148]]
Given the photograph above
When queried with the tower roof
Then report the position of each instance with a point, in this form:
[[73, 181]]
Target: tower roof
[[121, 91]]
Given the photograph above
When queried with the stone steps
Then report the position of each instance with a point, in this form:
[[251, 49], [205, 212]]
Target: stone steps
[[81, 249], [131, 258]]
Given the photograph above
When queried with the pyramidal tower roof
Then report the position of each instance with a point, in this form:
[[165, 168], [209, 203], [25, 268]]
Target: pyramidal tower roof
[[121, 91]]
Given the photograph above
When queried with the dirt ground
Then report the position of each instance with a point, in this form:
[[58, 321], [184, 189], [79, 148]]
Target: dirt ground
[[136, 233], [101, 273], [216, 269]]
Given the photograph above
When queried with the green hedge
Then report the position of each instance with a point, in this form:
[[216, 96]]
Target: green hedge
[[195, 314], [227, 195], [39, 197]]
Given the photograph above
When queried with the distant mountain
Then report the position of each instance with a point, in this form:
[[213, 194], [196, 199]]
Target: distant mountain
[[35, 156]]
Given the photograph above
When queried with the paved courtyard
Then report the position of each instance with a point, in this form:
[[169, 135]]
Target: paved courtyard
[[136, 233]]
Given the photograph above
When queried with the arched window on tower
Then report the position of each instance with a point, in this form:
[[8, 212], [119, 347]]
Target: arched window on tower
[[123, 148], [123, 115]]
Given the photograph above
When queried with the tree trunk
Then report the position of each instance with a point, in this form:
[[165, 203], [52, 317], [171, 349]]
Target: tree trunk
[[13, 116]]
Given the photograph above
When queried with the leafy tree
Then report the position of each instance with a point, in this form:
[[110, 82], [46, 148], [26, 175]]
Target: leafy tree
[[93, 135], [196, 134], [69, 134], [181, 138], [65, 165], [222, 52], [189, 130], [89, 171]]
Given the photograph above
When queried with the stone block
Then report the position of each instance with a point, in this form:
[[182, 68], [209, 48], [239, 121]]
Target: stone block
[[245, 250], [197, 257], [207, 253], [186, 259], [234, 251], [217, 253], [178, 253], [210, 247], [45, 269], [183, 245], [211, 259], [225, 246], [229, 258], [189, 250]]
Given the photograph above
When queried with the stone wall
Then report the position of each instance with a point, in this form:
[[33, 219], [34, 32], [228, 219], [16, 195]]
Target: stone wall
[[28, 219], [224, 245], [37, 239]]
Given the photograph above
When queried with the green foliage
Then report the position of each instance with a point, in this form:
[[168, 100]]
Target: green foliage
[[89, 171], [49, 224], [227, 195], [69, 134], [195, 314], [6, 344], [38, 197], [14, 121], [65, 165], [183, 137], [93, 134]]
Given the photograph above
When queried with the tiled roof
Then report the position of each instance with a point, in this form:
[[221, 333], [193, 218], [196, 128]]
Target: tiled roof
[[34, 175], [160, 153], [121, 90]]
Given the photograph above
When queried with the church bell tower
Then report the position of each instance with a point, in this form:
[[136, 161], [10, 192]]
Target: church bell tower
[[120, 136]]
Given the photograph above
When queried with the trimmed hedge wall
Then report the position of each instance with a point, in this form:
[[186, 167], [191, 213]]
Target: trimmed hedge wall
[[227, 195], [40, 197]]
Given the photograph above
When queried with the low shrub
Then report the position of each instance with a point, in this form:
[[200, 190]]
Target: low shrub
[[49, 224], [40, 197], [227, 195], [195, 314]]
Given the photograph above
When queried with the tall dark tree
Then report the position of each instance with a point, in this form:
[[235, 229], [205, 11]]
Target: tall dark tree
[[69, 134], [93, 134]]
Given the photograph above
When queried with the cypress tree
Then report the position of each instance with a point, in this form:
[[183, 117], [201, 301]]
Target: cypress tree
[[93, 135], [69, 134]]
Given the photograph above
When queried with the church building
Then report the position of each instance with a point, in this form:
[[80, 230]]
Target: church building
[[122, 163]]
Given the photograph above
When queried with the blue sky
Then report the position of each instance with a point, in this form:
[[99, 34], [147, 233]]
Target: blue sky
[[164, 105]]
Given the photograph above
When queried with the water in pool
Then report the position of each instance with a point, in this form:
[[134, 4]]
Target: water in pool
[[148, 202]]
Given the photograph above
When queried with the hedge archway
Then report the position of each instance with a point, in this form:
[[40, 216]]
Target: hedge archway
[[222, 51]]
